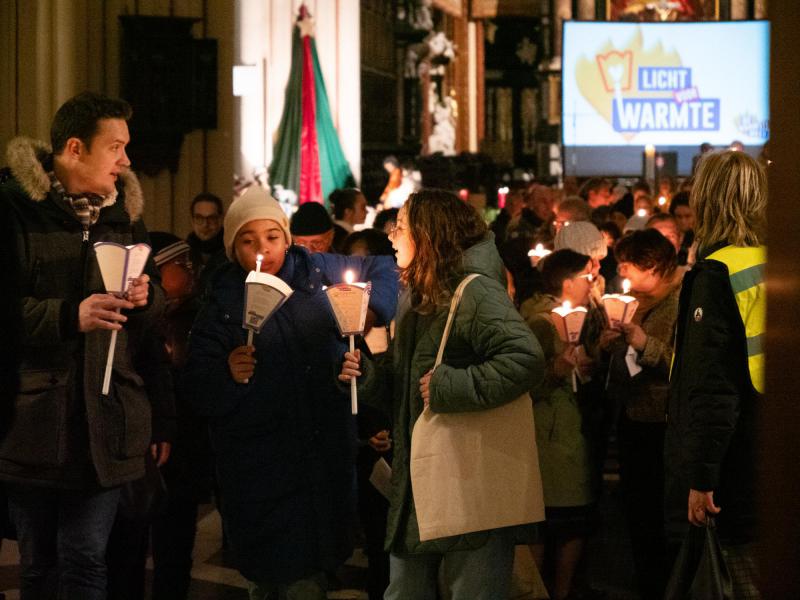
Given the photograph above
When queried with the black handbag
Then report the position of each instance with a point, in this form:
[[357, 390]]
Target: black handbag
[[700, 572], [146, 498]]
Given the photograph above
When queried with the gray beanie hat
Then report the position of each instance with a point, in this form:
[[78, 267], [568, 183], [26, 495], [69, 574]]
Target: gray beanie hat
[[254, 204], [582, 237]]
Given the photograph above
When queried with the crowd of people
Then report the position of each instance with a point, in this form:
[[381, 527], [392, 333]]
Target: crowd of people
[[195, 411]]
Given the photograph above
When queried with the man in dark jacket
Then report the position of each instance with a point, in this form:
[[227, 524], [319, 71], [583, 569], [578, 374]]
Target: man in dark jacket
[[69, 446]]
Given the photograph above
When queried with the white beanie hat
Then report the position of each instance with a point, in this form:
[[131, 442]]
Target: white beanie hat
[[254, 204], [582, 237]]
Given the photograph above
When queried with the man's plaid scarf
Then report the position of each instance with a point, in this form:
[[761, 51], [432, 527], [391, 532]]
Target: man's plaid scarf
[[86, 205]]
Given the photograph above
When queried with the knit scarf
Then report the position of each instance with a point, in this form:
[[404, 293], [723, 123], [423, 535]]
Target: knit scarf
[[86, 205]]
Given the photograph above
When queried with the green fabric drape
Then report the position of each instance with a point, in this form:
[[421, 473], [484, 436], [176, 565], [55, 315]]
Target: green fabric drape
[[285, 167]]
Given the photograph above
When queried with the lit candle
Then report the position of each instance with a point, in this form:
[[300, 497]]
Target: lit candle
[[349, 301], [537, 254], [463, 193], [501, 197], [259, 260], [662, 200], [568, 321], [649, 162], [620, 308], [642, 212]]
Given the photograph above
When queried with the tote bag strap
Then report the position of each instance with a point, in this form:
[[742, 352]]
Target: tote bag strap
[[453, 307]]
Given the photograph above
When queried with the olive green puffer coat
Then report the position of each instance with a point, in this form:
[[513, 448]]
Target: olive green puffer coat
[[491, 358]]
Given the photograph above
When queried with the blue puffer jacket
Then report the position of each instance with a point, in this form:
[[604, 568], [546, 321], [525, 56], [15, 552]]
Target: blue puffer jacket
[[284, 442]]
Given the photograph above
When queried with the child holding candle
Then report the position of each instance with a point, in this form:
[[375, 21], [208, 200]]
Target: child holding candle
[[564, 450], [282, 431], [641, 351], [491, 358]]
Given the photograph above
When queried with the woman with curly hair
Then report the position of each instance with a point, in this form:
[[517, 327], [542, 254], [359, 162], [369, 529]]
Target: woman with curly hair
[[491, 358]]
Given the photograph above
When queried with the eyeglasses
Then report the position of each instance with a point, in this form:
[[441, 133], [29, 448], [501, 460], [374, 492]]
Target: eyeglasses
[[202, 220], [587, 276], [396, 229]]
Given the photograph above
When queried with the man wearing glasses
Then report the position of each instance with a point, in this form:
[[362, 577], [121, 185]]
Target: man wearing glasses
[[206, 237]]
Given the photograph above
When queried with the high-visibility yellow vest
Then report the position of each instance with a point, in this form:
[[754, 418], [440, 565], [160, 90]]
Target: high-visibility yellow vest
[[746, 269]]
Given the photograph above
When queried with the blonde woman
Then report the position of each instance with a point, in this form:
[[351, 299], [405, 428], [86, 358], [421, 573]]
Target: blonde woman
[[717, 375]]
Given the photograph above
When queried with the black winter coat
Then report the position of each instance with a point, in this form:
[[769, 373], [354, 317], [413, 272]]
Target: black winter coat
[[712, 408], [284, 442], [65, 433]]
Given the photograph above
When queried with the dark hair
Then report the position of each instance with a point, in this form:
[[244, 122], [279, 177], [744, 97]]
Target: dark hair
[[342, 200], [592, 185], [392, 160], [441, 227], [206, 197], [679, 199], [641, 186], [383, 217], [78, 117], [560, 266], [660, 218], [611, 229], [647, 249], [377, 242]]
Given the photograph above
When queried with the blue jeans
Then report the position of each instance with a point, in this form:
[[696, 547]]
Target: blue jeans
[[481, 574], [62, 534]]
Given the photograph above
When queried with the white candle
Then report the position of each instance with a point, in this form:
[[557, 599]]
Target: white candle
[[537, 254], [259, 260], [626, 285], [349, 277]]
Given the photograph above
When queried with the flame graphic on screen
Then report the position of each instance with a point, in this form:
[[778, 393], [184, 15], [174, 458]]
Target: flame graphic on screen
[[596, 75]]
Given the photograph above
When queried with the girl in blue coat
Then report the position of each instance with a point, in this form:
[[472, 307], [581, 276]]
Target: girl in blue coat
[[281, 429]]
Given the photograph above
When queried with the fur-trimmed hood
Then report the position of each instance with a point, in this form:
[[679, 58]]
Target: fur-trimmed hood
[[25, 157]]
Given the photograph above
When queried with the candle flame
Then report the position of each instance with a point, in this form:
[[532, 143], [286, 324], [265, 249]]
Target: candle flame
[[641, 212], [349, 276], [626, 285], [567, 305], [259, 259], [662, 200], [539, 248]]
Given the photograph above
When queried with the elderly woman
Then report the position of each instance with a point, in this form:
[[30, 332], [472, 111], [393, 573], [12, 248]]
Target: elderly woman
[[281, 429]]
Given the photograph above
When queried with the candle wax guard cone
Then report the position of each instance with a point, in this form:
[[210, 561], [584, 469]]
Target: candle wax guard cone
[[619, 308], [569, 322]]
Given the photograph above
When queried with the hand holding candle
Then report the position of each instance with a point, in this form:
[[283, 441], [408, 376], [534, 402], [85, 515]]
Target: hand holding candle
[[349, 301]]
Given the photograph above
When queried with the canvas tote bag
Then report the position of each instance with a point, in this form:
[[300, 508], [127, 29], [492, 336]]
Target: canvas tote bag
[[474, 471]]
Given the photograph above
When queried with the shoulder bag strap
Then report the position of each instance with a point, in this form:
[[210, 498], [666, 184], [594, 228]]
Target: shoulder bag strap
[[453, 307]]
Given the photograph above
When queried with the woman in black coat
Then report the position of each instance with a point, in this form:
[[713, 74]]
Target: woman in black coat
[[717, 376]]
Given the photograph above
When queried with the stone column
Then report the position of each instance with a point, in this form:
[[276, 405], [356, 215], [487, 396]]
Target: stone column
[[586, 10], [738, 9], [562, 11]]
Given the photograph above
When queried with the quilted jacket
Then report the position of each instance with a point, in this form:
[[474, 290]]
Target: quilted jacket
[[491, 358]]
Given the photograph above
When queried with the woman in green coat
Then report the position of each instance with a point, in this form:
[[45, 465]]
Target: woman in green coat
[[491, 358]]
